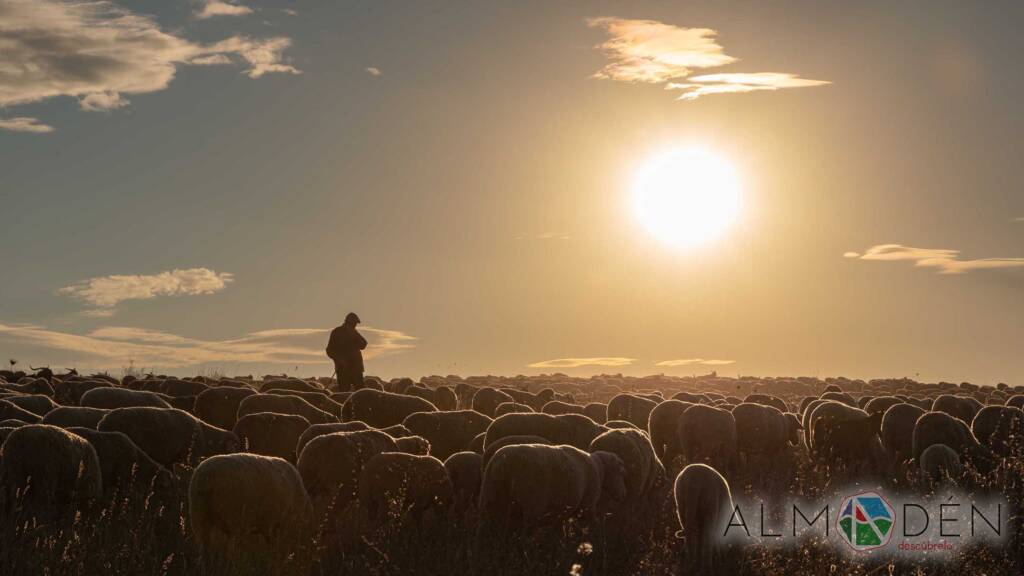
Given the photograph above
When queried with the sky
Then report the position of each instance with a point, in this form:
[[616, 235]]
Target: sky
[[207, 186]]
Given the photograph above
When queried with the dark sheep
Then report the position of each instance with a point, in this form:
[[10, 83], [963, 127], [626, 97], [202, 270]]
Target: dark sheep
[[110, 398], [283, 405], [999, 428], [486, 400], [316, 430], [447, 432], [511, 408], [663, 425], [631, 408], [271, 434], [381, 409], [219, 406], [572, 429], [123, 465], [75, 416], [897, 431], [48, 471], [466, 471]]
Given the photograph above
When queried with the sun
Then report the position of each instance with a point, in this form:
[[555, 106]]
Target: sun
[[686, 196]]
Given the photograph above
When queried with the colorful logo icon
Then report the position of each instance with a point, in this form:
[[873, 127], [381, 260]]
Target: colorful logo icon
[[866, 521]]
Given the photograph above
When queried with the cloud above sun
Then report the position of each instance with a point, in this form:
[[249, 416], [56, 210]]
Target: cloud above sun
[[657, 53], [109, 291], [944, 260], [118, 346], [580, 362], [100, 53]]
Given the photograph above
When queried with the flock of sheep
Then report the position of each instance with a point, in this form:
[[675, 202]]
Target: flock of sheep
[[268, 466]]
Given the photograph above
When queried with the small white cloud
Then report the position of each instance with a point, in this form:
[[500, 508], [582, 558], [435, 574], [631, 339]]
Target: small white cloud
[[945, 260], [24, 124], [693, 361], [579, 362], [657, 53], [374, 71], [102, 101], [290, 12], [213, 8], [108, 291]]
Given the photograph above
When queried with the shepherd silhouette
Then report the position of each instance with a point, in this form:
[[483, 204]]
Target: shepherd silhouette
[[345, 348]]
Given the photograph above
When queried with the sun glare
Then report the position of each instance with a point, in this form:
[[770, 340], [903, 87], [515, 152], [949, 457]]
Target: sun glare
[[686, 196]]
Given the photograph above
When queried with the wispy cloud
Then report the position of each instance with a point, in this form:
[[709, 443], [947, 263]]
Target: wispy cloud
[[697, 86], [213, 8], [108, 291], [24, 124], [290, 12], [98, 52], [578, 362], [372, 71], [693, 361], [115, 346], [658, 53], [945, 260]]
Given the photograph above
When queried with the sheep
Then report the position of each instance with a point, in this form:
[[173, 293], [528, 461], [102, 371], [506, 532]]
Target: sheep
[[691, 398], [763, 433], [766, 400], [511, 408], [110, 398], [703, 506], [1016, 401], [962, 407], [999, 428], [708, 434], [534, 483], [330, 465], [572, 429], [399, 385], [841, 397], [447, 432], [392, 483], [48, 471], [290, 384], [534, 401], [219, 406], [805, 419], [34, 403], [420, 392], [596, 411], [70, 392], [124, 465], [175, 387], [465, 471], [880, 404], [556, 407], [9, 411], [12, 423], [631, 408], [316, 430], [643, 468], [938, 462], [465, 393], [317, 399], [486, 400], [663, 425], [941, 428], [445, 399], [381, 409], [500, 443], [168, 435], [250, 508], [417, 445], [840, 432], [897, 431], [283, 405], [271, 434]]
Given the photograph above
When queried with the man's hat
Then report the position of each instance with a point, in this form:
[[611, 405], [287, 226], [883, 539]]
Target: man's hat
[[351, 317]]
